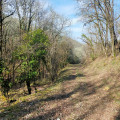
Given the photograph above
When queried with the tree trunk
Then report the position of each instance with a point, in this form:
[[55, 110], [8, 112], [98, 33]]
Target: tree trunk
[[28, 86], [113, 40], [13, 76], [1, 39], [112, 28]]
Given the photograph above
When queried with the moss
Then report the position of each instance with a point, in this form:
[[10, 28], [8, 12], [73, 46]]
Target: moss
[[2, 97]]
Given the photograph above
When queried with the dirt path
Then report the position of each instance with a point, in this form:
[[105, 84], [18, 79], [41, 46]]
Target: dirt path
[[82, 96]]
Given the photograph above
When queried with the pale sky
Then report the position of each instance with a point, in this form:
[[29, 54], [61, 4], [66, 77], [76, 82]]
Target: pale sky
[[67, 8]]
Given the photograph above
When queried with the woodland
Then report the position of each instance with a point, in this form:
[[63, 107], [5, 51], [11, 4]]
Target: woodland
[[47, 75]]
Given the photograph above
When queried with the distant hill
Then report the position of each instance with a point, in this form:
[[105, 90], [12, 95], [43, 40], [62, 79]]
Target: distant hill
[[78, 48]]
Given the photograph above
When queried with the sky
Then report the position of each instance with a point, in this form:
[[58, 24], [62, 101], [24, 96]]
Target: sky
[[68, 9]]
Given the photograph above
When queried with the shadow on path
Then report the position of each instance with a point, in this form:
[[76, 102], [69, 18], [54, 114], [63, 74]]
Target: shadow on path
[[22, 109]]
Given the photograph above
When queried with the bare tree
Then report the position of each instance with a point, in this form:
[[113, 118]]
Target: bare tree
[[26, 11], [54, 29], [101, 13]]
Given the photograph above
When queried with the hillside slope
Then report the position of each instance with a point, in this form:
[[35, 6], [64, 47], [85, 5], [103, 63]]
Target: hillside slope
[[78, 48], [87, 92]]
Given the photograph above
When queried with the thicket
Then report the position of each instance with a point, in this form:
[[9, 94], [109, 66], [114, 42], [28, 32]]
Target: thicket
[[32, 44]]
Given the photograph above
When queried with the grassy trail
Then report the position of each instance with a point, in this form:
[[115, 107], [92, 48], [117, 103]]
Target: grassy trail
[[84, 93]]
